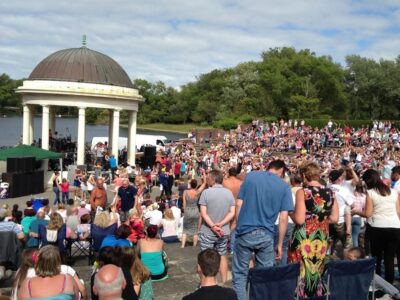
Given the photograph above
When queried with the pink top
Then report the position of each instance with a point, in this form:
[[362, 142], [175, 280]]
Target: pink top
[[64, 187]]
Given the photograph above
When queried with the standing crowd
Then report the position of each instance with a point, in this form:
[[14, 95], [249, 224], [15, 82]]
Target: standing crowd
[[261, 196]]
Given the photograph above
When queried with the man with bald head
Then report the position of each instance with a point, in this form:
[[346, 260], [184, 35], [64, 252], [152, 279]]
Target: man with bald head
[[98, 197], [127, 196], [109, 283]]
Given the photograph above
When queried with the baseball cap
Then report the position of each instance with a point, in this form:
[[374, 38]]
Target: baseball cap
[[335, 174]]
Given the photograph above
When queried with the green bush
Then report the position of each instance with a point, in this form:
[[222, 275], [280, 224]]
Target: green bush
[[226, 124], [270, 119], [320, 123], [245, 119]]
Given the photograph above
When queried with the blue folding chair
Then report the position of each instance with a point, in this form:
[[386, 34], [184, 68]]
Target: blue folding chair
[[349, 280], [273, 283]]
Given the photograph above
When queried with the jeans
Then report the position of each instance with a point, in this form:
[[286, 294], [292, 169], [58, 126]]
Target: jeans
[[355, 230], [286, 240], [259, 241], [56, 191], [65, 197]]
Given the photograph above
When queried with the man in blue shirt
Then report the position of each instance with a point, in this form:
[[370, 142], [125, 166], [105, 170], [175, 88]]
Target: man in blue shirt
[[113, 165], [262, 196], [164, 181], [127, 195]]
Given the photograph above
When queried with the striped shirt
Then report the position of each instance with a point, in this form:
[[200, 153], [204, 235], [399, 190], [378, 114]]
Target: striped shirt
[[10, 226]]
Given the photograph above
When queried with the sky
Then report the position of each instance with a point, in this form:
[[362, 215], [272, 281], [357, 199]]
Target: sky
[[176, 40]]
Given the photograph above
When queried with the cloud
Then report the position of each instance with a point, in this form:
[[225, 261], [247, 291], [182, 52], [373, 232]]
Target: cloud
[[176, 40]]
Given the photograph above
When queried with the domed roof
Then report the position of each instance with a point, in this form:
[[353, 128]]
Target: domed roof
[[81, 65]]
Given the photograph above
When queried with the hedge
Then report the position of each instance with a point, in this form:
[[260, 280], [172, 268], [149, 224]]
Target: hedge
[[226, 124]]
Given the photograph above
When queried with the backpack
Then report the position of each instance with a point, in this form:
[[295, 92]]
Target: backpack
[[51, 235]]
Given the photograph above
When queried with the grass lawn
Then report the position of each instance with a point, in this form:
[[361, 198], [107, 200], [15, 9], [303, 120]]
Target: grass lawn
[[181, 128]]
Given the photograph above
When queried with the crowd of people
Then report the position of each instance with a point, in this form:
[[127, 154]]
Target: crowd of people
[[261, 195]]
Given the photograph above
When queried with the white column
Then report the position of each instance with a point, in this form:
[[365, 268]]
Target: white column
[[25, 125], [110, 127], [45, 127], [81, 136], [132, 138], [115, 134], [30, 124]]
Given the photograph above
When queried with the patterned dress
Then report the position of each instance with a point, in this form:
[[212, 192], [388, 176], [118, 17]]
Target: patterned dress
[[310, 241]]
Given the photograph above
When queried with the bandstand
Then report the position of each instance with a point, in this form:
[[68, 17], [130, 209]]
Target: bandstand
[[81, 78]]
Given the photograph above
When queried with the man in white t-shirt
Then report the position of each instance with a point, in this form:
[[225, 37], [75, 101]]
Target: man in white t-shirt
[[175, 210], [154, 215], [341, 232], [330, 123]]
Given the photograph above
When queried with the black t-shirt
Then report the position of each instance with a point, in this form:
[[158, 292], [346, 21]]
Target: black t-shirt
[[127, 196], [214, 292]]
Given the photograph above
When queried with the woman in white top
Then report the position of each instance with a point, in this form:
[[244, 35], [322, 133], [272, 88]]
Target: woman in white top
[[170, 226], [382, 206]]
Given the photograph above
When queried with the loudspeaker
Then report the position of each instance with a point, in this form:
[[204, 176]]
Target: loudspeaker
[[23, 184], [150, 151], [21, 164], [12, 164], [29, 164], [149, 157]]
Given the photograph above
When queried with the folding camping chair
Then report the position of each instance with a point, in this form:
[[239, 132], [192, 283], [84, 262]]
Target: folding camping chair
[[349, 280], [273, 283], [77, 248]]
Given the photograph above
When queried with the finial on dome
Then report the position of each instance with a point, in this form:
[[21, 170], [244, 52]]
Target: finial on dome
[[84, 40]]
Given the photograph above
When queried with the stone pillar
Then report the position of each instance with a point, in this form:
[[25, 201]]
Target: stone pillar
[[110, 127], [45, 127], [25, 125], [132, 138], [115, 134], [81, 136], [30, 122]]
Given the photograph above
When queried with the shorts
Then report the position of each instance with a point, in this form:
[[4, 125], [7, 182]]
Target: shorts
[[214, 242]]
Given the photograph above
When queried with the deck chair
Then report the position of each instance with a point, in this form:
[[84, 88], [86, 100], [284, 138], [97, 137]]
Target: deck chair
[[273, 283], [349, 280], [77, 248]]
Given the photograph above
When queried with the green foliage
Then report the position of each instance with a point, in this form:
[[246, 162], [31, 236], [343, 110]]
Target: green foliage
[[320, 123], [270, 119], [92, 114], [226, 124], [9, 100], [284, 83], [245, 119]]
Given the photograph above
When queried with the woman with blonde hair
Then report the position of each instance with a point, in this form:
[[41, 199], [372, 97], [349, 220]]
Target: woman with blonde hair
[[103, 219], [137, 226], [54, 233], [48, 274], [314, 210], [170, 227]]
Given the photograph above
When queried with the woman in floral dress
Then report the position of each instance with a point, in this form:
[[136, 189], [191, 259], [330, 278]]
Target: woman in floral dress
[[315, 209]]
